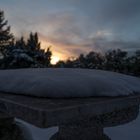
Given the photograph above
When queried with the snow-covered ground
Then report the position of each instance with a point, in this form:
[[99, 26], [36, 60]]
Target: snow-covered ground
[[32, 132], [129, 131], [62, 82]]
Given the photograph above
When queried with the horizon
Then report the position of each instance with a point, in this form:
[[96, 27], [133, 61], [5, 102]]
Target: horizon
[[75, 27]]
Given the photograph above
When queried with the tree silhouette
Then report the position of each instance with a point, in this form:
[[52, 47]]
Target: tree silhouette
[[23, 53], [115, 60], [6, 38], [134, 63], [81, 61], [20, 44], [48, 55], [40, 56], [94, 60], [33, 42], [112, 60]]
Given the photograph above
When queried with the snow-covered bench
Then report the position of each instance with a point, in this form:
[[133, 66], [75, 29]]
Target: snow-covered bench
[[76, 100]]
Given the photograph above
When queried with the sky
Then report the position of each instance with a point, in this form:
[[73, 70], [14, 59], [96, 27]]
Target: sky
[[73, 27]]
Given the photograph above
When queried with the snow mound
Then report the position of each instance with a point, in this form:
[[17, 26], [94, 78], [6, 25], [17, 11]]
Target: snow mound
[[65, 83]]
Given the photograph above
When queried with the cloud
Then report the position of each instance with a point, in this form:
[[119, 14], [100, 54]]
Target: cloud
[[90, 16], [118, 9], [78, 26]]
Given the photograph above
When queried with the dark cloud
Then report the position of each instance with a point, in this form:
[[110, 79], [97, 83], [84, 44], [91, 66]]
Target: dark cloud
[[105, 9], [104, 45], [79, 26], [120, 9]]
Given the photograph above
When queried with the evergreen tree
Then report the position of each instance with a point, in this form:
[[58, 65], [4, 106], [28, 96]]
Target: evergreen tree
[[48, 55], [33, 43], [94, 60], [39, 55], [21, 54], [34, 47], [115, 60], [60, 64], [81, 61], [20, 44], [6, 38], [135, 64]]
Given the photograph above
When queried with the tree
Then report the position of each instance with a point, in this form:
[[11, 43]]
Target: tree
[[33, 47], [81, 61], [94, 60], [134, 63], [33, 43], [20, 44], [138, 54], [41, 57], [48, 55], [60, 64], [6, 38], [115, 60], [21, 53]]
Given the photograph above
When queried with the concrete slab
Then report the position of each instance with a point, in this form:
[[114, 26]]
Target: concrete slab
[[45, 112]]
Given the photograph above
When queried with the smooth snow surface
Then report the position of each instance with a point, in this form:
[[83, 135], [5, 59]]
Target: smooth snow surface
[[64, 82], [129, 131]]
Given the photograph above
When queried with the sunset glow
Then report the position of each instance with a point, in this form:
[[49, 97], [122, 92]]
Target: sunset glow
[[73, 27], [54, 59]]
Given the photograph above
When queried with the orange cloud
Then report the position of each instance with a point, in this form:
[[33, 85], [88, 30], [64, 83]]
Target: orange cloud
[[62, 49]]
